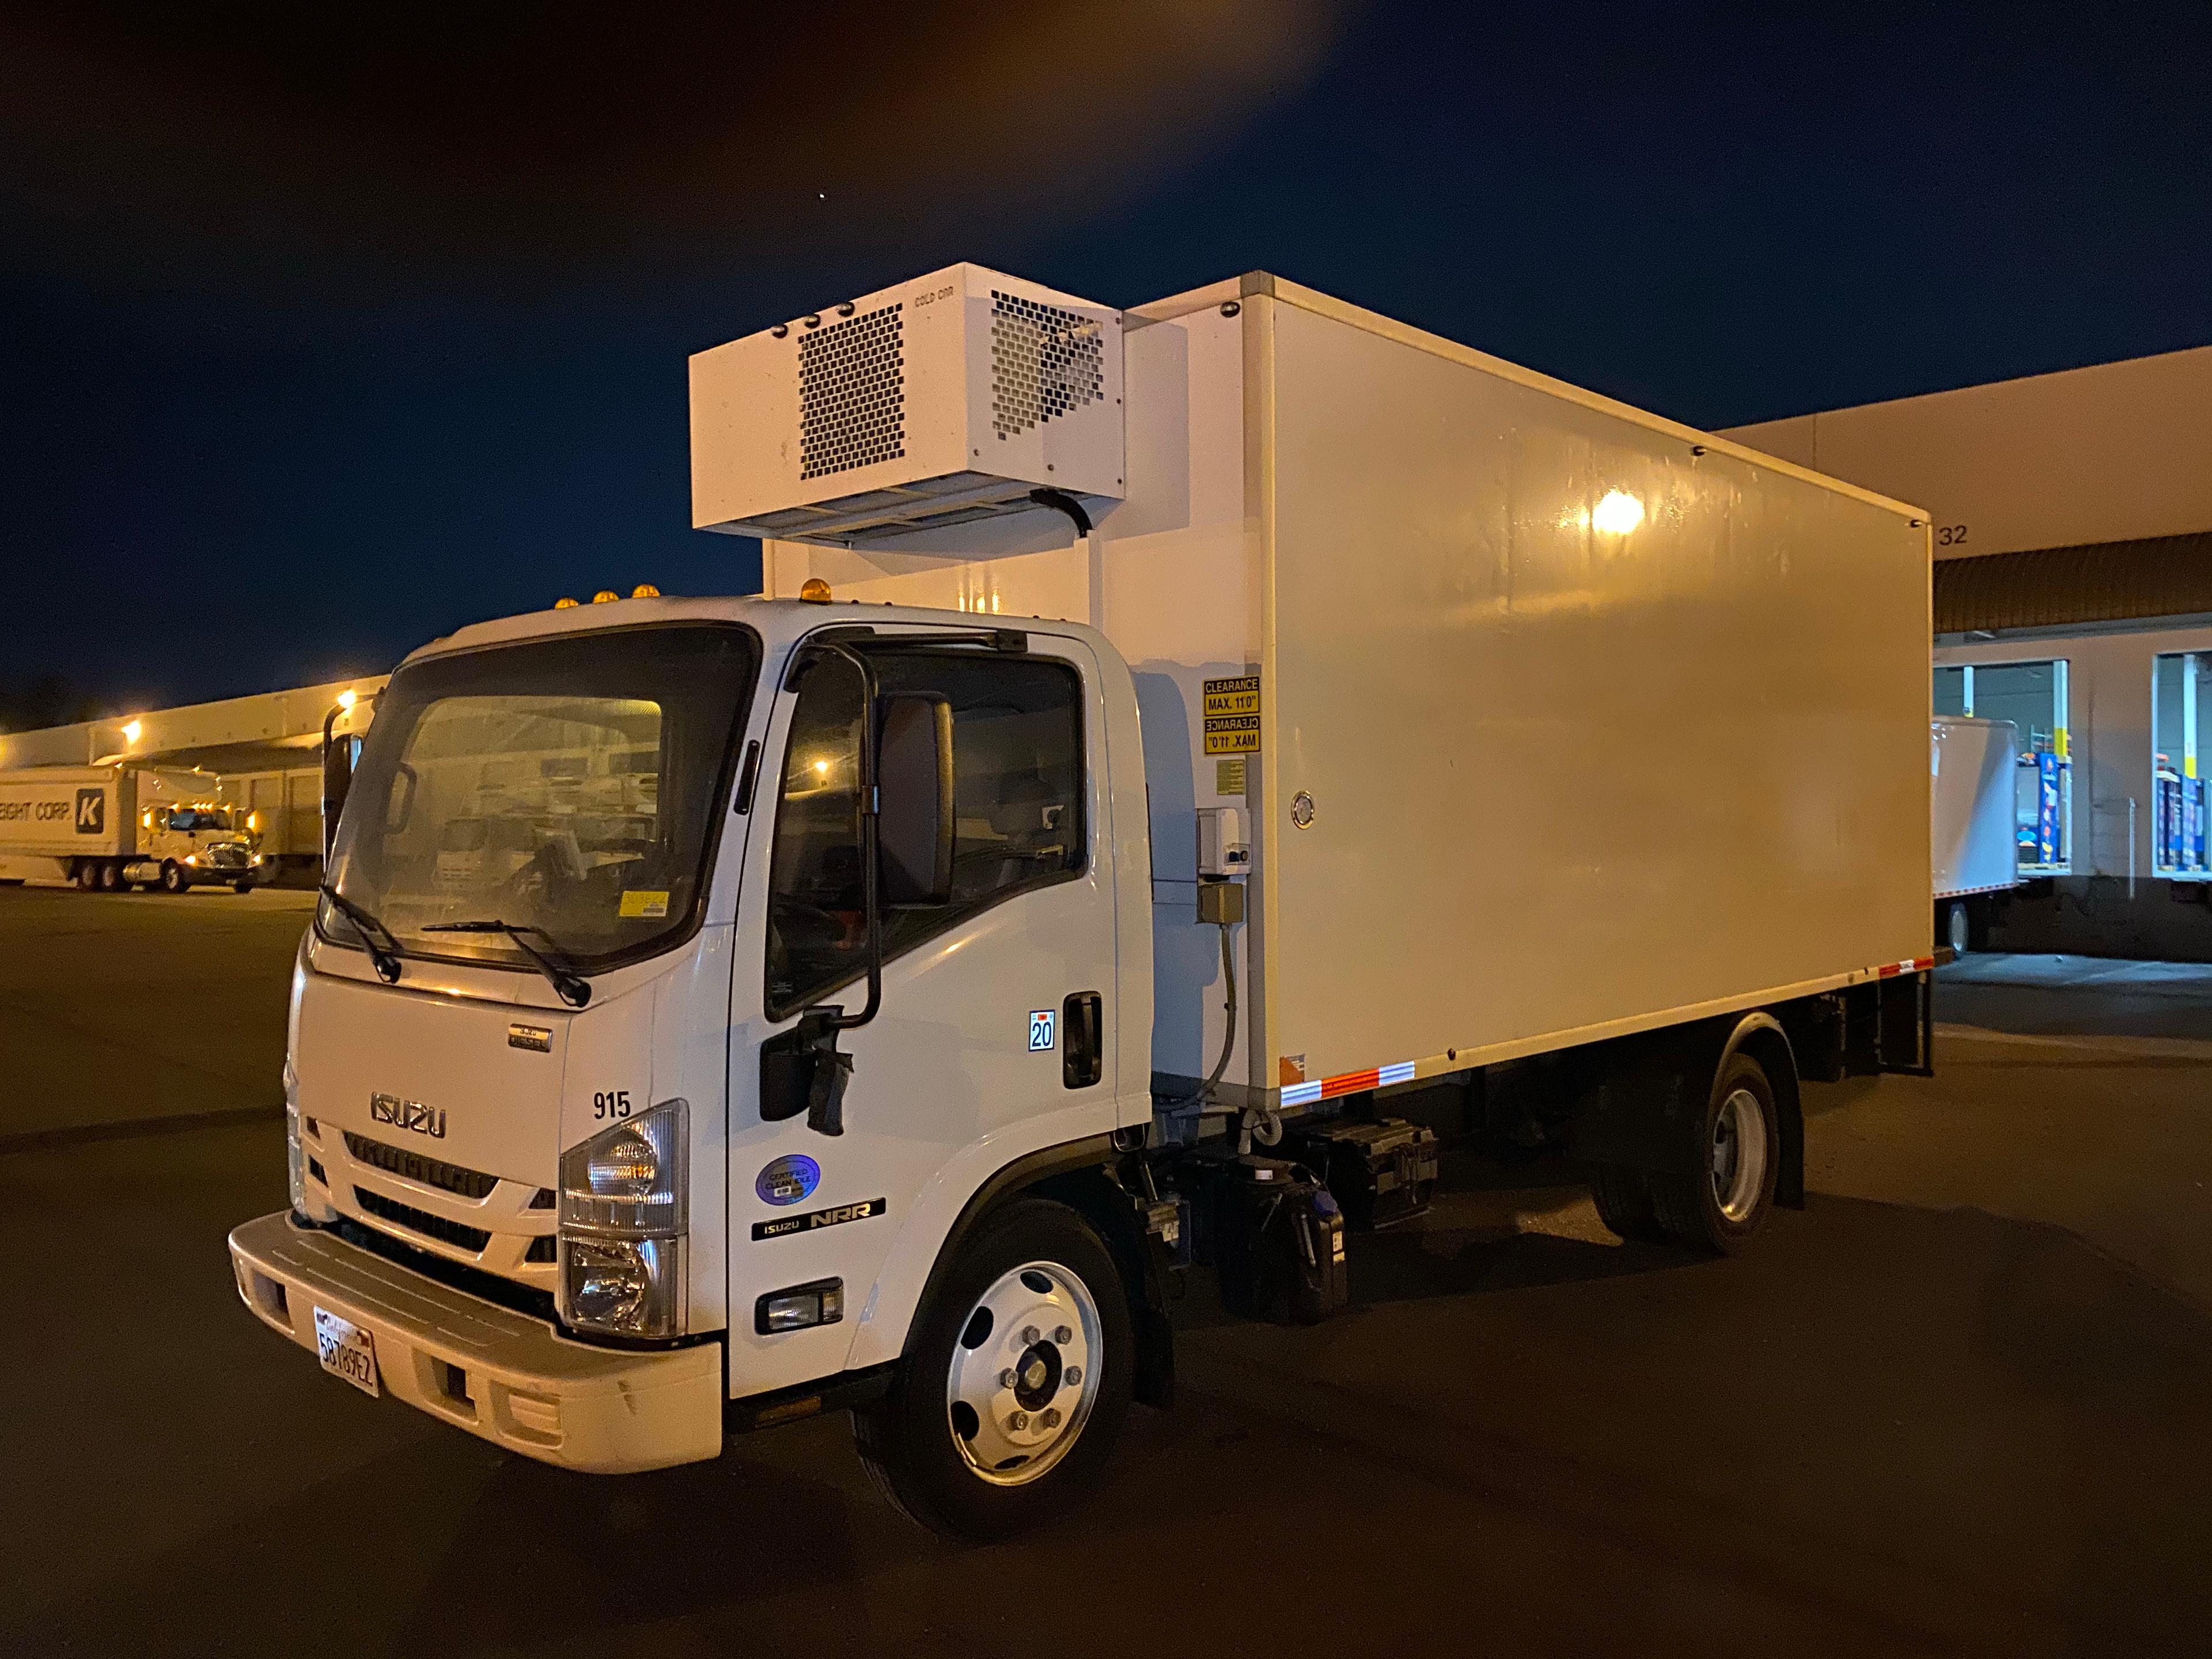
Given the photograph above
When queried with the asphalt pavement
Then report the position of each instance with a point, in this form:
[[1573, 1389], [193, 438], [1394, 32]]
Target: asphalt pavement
[[1958, 1404]]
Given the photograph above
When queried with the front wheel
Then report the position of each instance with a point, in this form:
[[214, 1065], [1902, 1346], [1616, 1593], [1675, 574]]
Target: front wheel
[[1014, 1384], [173, 878]]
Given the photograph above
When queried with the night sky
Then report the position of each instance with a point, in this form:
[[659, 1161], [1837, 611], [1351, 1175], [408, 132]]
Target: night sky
[[317, 346]]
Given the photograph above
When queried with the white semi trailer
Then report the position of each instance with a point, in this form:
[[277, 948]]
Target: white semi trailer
[[1972, 765], [108, 828], [1181, 748]]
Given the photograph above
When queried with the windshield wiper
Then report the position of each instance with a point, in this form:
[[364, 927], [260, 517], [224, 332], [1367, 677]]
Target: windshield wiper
[[572, 986], [384, 955]]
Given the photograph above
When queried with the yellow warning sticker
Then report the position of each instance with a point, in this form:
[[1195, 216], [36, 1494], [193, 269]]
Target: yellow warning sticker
[[1232, 716], [640, 902]]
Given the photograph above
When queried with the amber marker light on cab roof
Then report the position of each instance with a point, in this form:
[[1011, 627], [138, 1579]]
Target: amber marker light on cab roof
[[564, 603], [645, 591], [814, 591], [606, 596]]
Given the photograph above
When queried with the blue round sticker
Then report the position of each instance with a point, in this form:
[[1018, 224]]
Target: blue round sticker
[[788, 1180]]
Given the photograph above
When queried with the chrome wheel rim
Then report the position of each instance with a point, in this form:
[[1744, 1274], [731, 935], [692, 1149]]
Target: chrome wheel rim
[[1024, 1373], [1739, 1164]]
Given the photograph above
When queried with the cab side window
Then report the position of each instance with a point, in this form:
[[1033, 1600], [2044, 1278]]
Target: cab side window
[[1018, 807]]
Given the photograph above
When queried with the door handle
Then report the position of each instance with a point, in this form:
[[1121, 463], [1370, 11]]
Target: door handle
[[1082, 1058]]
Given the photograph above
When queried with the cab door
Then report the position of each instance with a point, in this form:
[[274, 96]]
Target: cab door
[[995, 1033]]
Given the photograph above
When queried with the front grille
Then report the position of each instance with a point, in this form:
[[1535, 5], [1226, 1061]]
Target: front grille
[[471, 1239], [471, 1184], [227, 858], [474, 1281]]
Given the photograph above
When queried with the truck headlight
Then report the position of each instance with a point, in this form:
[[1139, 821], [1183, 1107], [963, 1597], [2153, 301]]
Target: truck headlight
[[623, 1216]]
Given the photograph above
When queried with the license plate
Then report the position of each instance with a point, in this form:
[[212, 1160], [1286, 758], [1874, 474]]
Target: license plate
[[347, 1351]]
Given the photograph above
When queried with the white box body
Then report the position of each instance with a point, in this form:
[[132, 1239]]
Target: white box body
[[1972, 768], [1557, 781], [940, 401]]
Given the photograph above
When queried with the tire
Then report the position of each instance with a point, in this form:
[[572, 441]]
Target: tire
[[241, 887], [989, 1322], [86, 875], [1623, 1197], [1957, 927], [110, 878], [1722, 1207], [173, 878]]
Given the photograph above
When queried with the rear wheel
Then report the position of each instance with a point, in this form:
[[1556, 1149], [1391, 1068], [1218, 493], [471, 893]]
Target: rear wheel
[[1724, 1205], [173, 878], [111, 877], [1623, 1203], [88, 875], [1015, 1382], [1957, 927], [241, 886]]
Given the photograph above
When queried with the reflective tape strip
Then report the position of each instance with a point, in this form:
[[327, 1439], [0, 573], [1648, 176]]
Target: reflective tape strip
[[1889, 969], [1350, 1083]]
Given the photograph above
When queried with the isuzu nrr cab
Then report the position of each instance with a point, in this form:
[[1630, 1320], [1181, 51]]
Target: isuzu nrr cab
[[1190, 760]]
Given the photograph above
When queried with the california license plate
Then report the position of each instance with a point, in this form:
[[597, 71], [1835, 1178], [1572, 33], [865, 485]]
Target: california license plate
[[347, 1351]]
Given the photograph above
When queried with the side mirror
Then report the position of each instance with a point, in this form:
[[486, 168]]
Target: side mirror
[[914, 786], [338, 781]]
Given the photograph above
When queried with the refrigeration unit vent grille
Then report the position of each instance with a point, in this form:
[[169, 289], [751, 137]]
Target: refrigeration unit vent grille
[[851, 393], [1045, 362]]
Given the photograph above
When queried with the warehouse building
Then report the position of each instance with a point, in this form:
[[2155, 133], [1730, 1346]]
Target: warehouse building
[[2072, 519], [262, 753]]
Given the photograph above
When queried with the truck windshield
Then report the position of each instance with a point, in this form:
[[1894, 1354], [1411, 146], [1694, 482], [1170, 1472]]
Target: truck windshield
[[567, 785]]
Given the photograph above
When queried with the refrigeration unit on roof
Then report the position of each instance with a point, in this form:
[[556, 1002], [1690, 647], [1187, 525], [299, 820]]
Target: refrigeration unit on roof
[[943, 400]]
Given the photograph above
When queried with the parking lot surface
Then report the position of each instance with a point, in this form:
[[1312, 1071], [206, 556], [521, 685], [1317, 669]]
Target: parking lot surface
[[1956, 1405]]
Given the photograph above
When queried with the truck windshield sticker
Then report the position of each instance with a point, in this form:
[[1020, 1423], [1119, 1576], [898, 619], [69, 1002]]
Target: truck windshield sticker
[[788, 1180], [814, 1220], [1041, 1022], [1232, 716], [642, 901]]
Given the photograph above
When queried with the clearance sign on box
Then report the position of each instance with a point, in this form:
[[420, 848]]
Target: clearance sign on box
[[1232, 715]]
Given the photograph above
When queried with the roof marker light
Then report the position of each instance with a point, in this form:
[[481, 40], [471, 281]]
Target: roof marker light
[[606, 596], [814, 591], [564, 603], [645, 591]]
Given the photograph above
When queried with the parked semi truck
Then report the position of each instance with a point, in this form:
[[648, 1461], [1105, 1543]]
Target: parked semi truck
[[1972, 766], [1187, 757], [110, 828]]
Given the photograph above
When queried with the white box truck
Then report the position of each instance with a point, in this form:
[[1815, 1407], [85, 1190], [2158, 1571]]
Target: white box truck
[[1182, 753], [110, 828], [1972, 764]]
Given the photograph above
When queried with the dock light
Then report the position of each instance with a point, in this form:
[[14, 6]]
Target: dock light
[[564, 603], [606, 596], [131, 730], [1618, 514], [814, 591], [645, 591], [346, 700]]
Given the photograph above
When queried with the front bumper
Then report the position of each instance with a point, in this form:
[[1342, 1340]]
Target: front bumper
[[500, 1375]]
